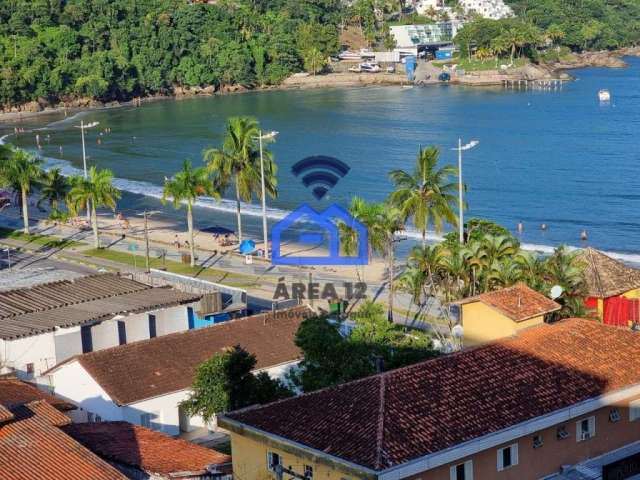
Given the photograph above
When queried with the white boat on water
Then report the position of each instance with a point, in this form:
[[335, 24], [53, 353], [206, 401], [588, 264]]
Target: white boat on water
[[604, 95]]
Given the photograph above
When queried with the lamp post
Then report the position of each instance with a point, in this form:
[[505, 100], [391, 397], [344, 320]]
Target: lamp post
[[82, 128], [261, 137], [460, 149], [146, 214]]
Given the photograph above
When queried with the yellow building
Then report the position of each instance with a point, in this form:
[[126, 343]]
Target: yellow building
[[613, 288], [502, 313], [526, 407]]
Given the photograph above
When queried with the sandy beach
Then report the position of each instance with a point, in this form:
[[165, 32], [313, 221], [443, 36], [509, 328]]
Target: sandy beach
[[169, 236]]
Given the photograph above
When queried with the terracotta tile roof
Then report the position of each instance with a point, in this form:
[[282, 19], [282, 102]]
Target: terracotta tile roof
[[5, 414], [39, 309], [16, 392], [518, 302], [42, 410], [166, 364], [606, 277], [388, 419], [144, 449], [32, 449]]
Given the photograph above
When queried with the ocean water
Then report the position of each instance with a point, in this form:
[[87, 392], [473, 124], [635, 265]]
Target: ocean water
[[555, 157]]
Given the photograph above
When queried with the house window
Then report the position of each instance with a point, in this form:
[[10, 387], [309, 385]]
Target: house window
[[152, 326], [273, 460], [634, 411], [462, 471], [537, 441], [507, 457], [191, 318], [122, 332], [85, 337], [614, 415], [308, 471], [585, 429], [562, 432], [30, 369]]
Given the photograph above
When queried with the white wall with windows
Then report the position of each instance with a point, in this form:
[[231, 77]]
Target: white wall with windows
[[31, 356], [28, 357], [73, 383]]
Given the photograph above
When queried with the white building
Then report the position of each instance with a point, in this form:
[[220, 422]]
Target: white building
[[144, 382], [494, 9], [46, 324], [411, 39]]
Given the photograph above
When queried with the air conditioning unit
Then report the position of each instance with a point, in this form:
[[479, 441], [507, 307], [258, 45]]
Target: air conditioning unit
[[614, 415], [537, 441], [562, 433]]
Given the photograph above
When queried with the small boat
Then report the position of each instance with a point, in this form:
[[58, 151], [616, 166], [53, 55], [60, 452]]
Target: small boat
[[604, 95], [370, 67]]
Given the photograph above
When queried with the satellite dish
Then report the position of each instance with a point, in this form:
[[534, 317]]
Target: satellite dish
[[556, 291], [457, 331]]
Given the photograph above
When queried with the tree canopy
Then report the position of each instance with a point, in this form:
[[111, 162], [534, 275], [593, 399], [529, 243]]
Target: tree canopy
[[225, 382], [116, 49], [374, 344]]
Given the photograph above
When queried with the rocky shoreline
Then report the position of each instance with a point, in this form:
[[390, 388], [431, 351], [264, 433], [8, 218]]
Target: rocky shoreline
[[542, 72]]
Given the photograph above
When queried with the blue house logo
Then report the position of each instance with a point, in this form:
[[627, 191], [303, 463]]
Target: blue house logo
[[326, 222]]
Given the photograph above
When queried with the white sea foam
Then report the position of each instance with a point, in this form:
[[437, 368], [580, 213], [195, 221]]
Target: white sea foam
[[229, 206]]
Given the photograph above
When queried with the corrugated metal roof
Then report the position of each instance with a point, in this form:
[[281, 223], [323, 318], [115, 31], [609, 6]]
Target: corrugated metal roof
[[66, 292], [90, 299]]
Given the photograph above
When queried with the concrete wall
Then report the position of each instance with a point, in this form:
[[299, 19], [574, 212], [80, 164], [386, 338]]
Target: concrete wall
[[172, 320], [68, 343], [72, 382], [39, 350], [484, 324], [250, 461]]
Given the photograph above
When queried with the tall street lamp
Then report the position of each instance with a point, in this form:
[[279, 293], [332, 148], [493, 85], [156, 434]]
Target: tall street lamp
[[460, 149], [267, 136], [82, 128]]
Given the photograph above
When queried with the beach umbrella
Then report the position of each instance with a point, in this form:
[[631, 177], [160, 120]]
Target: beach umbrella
[[247, 247]]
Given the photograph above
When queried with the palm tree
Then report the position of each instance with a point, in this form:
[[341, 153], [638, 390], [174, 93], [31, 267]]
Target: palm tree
[[412, 281], [566, 269], [22, 171], [427, 195], [185, 187], [476, 258], [238, 161], [314, 60], [389, 224], [98, 190], [54, 189], [368, 214]]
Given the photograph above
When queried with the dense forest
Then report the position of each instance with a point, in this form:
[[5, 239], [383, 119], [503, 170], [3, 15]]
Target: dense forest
[[584, 24], [116, 49]]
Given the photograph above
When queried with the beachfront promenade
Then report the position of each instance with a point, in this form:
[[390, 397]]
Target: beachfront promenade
[[128, 255]]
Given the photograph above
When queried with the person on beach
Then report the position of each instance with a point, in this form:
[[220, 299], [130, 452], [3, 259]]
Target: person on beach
[[176, 242], [520, 228], [61, 151], [583, 236]]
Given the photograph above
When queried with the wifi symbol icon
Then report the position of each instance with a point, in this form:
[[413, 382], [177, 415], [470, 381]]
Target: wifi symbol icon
[[320, 173]]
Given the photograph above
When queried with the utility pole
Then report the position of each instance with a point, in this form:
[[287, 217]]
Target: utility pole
[[460, 201], [146, 240]]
